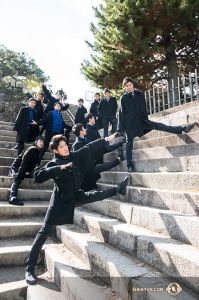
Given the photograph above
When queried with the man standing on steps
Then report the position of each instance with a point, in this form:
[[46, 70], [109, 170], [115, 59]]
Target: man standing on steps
[[23, 127], [54, 124], [89, 172], [22, 167], [133, 119], [93, 135], [94, 111], [64, 170], [81, 111]]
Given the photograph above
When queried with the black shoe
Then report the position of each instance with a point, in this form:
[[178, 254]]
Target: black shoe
[[15, 201], [37, 166], [188, 128], [122, 186], [15, 147], [130, 169], [121, 154], [30, 275], [124, 139]]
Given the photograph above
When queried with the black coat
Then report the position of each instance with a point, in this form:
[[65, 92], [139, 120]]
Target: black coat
[[48, 122], [94, 111], [39, 107], [133, 116], [107, 110], [79, 116], [66, 184], [25, 162], [51, 101], [88, 177], [22, 125]]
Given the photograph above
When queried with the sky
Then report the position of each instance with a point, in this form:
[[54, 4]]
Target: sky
[[53, 32]]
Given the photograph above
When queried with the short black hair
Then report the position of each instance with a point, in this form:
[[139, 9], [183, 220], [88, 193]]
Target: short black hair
[[80, 99], [57, 102], [126, 80], [106, 91], [56, 139], [40, 94], [97, 94], [77, 128], [88, 116], [32, 99]]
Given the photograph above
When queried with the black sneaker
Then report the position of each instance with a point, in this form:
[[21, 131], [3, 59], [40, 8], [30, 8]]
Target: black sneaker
[[121, 154], [30, 275], [121, 188], [188, 128], [15, 201], [15, 147], [130, 169], [37, 166]]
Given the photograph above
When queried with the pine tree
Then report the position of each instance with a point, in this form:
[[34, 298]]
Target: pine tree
[[148, 40]]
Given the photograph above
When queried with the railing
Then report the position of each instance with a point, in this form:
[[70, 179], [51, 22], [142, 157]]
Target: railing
[[71, 116], [162, 97]]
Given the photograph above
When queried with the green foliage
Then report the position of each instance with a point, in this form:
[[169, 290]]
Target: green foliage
[[20, 68], [146, 39]]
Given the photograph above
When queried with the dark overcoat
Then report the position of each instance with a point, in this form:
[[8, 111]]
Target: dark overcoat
[[133, 118], [51, 102], [22, 125], [48, 122], [66, 184], [25, 162], [39, 107], [94, 111], [107, 110], [88, 177], [79, 116]]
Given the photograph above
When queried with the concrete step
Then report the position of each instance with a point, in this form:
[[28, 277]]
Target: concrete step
[[7, 123], [13, 153], [30, 209], [6, 127], [15, 252], [172, 181], [136, 241], [7, 133], [28, 196], [118, 269], [20, 227], [73, 277], [7, 139], [45, 291], [6, 181]]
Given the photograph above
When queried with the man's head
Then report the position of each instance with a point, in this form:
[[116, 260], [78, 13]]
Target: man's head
[[58, 145], [97, 96], [32, 103], [90, 119], [39, 142], [57, 106], [80, 102], [107, 93], [79, 130], [59, 96], [128, 84], [39, 96]]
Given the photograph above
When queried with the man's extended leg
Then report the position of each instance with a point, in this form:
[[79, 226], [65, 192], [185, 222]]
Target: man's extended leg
[[129, 148], [41, 154], [174, 129], [106, 166], [13, 193], [20, 147], [34, 252]]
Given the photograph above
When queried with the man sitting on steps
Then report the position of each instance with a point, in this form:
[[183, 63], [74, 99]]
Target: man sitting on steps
[[64, 170]]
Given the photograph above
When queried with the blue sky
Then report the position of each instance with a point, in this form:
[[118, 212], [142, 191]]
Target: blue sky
[[53, 32]]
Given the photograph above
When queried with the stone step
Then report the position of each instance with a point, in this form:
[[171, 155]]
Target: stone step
[[6, 139], [7, 133], [13, 153], [6, 127], [30, 209], [27, 195], [44, 290], [73, 277], [120, 270], [172, 181], [20, 227], [137, 242], [6, 181], [7, 123], [15, 252]]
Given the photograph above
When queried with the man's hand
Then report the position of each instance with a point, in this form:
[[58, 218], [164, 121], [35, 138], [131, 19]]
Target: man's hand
[[111, 137], [63, 167], [15, 131], [33, 122]]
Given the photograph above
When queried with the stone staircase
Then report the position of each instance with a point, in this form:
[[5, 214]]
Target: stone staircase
[[145, 240]]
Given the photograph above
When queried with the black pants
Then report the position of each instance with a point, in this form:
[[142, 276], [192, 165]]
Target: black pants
[[14, 188], [67, 136], [82, 198], [42, 129], [106, 166], [113, 122], [31, 138], [160, 127], [44, 149]]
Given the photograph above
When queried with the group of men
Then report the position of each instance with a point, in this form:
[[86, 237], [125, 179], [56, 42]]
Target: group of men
[[76, 172]]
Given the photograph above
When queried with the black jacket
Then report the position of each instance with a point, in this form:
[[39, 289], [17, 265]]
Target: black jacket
[[39, 107], [22, 125], [87, 172], [51, 101], [25, 162], [66, 184], [79, 117], [133, 116], [48, 122], [94, 111], [107, 110]]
